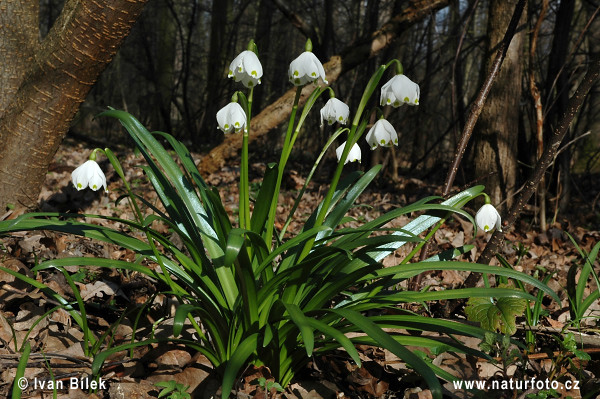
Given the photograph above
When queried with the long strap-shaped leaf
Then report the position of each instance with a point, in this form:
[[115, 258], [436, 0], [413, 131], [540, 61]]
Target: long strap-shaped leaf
[[150, 147], [389, 343]]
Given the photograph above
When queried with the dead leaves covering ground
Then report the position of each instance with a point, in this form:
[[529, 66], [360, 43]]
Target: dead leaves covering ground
[[57, 343]]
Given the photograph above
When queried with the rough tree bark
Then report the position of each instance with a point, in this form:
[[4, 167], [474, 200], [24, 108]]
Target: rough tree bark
[[495, 144], [43, 83], [365, 48]]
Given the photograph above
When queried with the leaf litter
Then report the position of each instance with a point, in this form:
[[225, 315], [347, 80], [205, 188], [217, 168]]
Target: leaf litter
[[57, 344]]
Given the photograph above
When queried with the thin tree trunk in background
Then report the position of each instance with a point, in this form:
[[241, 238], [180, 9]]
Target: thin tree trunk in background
[[539, 114], [495, 144], [164, 61], [39, 99], [262, 36], [328, 32], [593, 109], [557, 94], [216, 66]]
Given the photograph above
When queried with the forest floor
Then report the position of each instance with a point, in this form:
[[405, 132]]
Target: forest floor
[[56, 342]]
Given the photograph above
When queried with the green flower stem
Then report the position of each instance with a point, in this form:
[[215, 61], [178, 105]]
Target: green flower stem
[[420, 245], [244, 183], [308, 178], [281, 166], [369, 90]]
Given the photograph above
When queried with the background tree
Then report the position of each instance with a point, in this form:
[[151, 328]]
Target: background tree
[[497, 131], [43, 82]]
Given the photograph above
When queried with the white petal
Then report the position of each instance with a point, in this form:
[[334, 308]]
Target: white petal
[[306, 68], [231, 117], [405, 90], [335, 111], [353, 156], [246, 68], [89, 174], [487, 217], [382, 133]]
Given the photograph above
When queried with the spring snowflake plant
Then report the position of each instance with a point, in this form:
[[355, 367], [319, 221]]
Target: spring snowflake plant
[[252, 295]]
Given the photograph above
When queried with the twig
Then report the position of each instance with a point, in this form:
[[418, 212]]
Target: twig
[[543, 163], [482, 96], [478, 107]]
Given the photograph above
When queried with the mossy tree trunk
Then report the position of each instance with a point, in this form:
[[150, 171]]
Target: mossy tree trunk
[[43, 82]]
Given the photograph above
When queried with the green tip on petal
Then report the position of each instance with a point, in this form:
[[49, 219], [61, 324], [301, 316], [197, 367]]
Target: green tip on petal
[[406, 99], [308, 46], [79, 185]]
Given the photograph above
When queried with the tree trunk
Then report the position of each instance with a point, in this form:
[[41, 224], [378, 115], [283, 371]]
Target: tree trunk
[[216, 67], [495, 144], [557, 91], [43, 84]]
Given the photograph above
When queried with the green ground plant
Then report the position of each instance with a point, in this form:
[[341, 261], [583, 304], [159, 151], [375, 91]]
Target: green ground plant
[[254, 295]]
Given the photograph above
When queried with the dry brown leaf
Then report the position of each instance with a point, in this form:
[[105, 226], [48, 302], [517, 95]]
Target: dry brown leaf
[[97, 289]]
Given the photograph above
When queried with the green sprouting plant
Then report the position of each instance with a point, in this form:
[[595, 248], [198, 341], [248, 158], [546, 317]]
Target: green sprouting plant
[[563, 360], [254, 295], [267, 385], [173, 389], [501, 346], [578, 302]]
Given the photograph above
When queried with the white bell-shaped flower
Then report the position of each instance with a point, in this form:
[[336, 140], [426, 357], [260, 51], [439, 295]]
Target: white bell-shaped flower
[[89, 175], [487, 217], [400, 90], [353, 156], [382, 133], [335, 111], [306, 69], [231, 117], [246, 68]]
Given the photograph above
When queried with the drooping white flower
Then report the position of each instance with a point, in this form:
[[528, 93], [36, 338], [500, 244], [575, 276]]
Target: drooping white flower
[[231, 117], [382, 133], [353, 156], [487, 217], [335, 111], [246, 68], [400, 90], [89, 175], [306, 69]]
